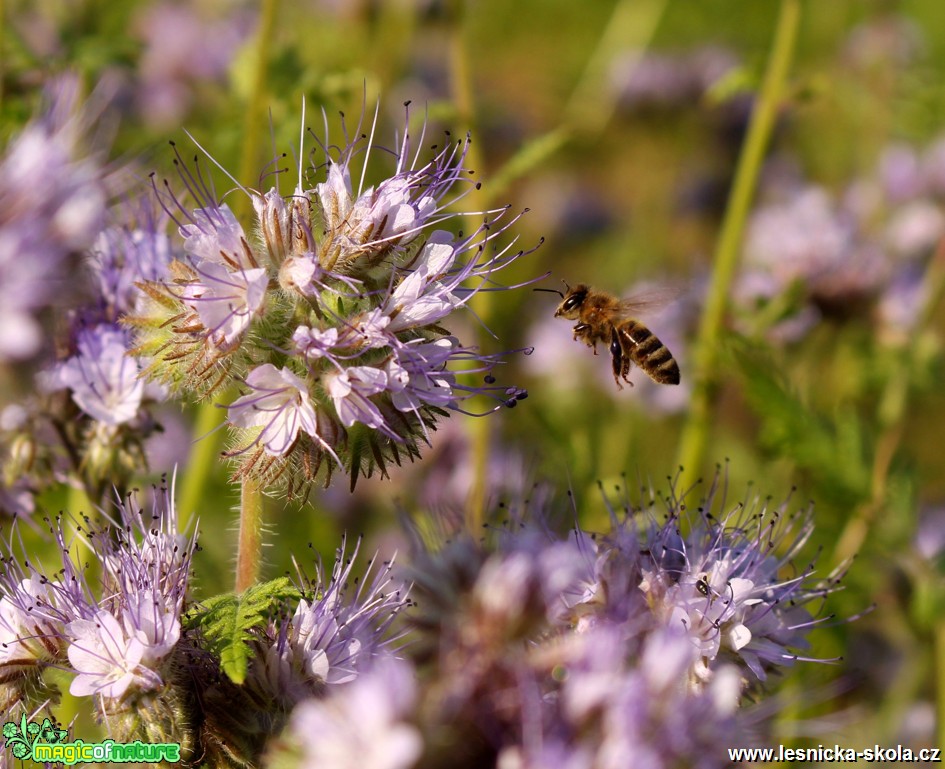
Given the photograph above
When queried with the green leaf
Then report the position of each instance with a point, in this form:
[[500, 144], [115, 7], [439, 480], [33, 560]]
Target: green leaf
[[227, 622], [832, 449]]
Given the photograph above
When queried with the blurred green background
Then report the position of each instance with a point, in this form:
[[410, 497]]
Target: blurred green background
[[619, 126]]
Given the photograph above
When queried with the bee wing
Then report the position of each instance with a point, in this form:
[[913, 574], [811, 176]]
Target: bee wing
[[649, 300]]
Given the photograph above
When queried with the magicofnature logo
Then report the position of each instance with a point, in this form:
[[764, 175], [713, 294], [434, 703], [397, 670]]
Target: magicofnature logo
[[45, 743], [20, 738]]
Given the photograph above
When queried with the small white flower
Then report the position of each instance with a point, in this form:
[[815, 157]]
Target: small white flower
[[420, 299], [314, 343], [152, 622], [226, 302], [350, 391], [24, 620], [279, 404], [316, 636], [298, 273], [107, 660], [335, 195], [216, 236]]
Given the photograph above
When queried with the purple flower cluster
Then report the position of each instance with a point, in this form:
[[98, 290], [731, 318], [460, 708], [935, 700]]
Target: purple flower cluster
[[654, 79], [103, 380], [132, 639], [45, 224], [333, 318], [117, 639], [811, 253], [92, 413], [183, 49], [334, 633], [638, 644]]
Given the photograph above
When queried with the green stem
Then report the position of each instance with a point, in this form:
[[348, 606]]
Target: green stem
[[481, 304], [249, 549], [203, 458], [695, 434], [256, 107]]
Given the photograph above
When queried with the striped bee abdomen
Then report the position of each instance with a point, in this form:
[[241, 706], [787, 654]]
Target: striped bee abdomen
[[648, 352]]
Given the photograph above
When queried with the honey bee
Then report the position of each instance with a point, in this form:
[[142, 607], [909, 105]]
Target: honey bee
[[605, 318]]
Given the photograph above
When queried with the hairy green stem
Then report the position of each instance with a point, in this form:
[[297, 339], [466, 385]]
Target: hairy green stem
[[249, 548], [706, 351], [209, 416]]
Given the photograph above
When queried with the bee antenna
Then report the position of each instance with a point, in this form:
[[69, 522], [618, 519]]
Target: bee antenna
[[550, 291]]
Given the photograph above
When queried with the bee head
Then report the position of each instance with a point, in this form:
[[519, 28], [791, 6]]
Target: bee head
[[572, 301]]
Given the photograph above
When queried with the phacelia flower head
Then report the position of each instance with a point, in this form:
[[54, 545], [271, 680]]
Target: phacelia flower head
[[333, 635], [118, 634], [107, 416], [720, 574], [634, 645], [122, 642], [331, 311]]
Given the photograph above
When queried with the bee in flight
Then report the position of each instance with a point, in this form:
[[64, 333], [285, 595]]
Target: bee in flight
[[602, 317]]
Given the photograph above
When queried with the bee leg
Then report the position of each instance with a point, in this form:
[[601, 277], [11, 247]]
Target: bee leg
[[620, 364], [582, 331], [625, 370]]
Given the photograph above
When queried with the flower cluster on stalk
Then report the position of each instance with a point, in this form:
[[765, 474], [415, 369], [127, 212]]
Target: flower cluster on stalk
[[330, 313], [69, 245], [334, 633], [637, 644], [136, 642], [118, 637]]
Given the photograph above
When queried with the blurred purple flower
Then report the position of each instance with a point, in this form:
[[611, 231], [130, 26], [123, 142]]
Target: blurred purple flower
[[658, 79], [883, 41], [134, 248], [929, 539], [103, 380], [363, 725], [52, 207], [183, 49]]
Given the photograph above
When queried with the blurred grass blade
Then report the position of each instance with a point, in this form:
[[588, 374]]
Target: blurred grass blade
[[695, 434]]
